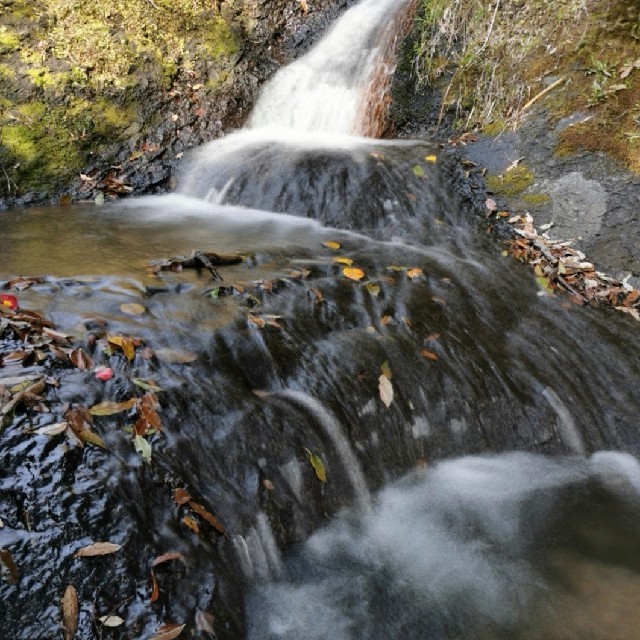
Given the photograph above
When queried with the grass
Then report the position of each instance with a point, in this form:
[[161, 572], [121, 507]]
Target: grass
[[493, 60]]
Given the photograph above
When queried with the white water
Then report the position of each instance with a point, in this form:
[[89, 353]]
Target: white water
[[323, 90]]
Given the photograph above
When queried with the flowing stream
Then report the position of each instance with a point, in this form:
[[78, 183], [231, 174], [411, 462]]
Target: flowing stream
[[479, 438]]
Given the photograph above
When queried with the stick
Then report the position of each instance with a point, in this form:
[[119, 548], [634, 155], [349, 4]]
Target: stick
[[543, 93]]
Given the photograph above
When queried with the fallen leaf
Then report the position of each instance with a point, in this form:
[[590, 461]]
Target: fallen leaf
[[91, 437], [431, 158], [353, 273], [331, 244], [190, 523], [425, 353], [155, 590], [69, 613], [414, 273], [8, 301], [385, 370], [418, 171], [318, 466], [147, 385], [343, 260], [385, 389], [267, 484], [373, 288], [125, 344], [7, 560], [98, 549], [52, 429], [205, 515], [204, 622], [143, 448], [108, 408], [168, 632], [132, 308], [490, 204], [111, 621], [167, 557], [181, 496], [80, 359]]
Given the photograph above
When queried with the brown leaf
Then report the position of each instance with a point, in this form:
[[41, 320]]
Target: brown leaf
[[79, 419], [168, 632], [181, 496], [97, 549], [190, 523], [80, 359], [147, 410], [7, 560], [425, 353], [155, 591], [167, 557], [205, 515], [69, 613], [91, 437]]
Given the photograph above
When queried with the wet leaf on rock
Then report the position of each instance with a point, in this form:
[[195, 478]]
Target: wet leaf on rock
[[430, 355], [181, 496], [52, 429], [98, 549], [385, 370], [69, 613], [108, 408], [206, 516], [168, 632], [343, 260], [331, 244], [385, 389], [373, 288], [143, 448], [91, 438], [125, 344], [7, 560], [318, 465], [353, 273], [167, 557], [147, 385], [431, 158], [80, 359], [111, 621], [418, 171], [414, 273], [190, 523]]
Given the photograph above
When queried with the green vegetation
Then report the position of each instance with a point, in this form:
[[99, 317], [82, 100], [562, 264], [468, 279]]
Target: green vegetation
[[512, 182], [493, 61], [71, 72]]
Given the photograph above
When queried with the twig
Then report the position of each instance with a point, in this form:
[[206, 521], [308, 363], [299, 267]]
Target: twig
[[543, 93], [203, 259], [493, 19]]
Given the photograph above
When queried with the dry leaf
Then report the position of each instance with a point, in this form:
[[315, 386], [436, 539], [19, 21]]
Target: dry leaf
[[155, 591], [343, 260], [425, 353], [414, 273], [353, 273], [98, 549], [386, 390], [92, 438], [125, 344], [490, 204], [52, 429], [80, 359], [69, 613]]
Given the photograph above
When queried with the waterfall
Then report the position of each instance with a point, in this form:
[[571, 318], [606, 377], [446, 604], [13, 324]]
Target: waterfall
[[327, 90]]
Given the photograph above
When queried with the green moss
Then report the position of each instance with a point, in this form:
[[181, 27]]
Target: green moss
[[9, 40], [6, 73], [536, 199], [219, 41], [494, 128], [512, 182]]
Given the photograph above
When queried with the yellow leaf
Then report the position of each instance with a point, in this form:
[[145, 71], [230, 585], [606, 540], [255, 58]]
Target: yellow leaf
[[373, 288], [341, 260], [126, 344], [431, 158], [132, 309], [385, 370], [109, 408], [353, 273], [331, 244], [317, 465], [414, 273], [92, 438]]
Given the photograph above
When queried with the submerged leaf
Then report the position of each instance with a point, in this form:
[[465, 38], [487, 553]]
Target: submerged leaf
[[318, 465], [92, 438], [168, 632], [132, 308], [385, 389], [125, 344], [343, 260], [147, 385], [110, 408]]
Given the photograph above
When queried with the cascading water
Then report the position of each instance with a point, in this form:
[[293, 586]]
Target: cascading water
[[279, 369]]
